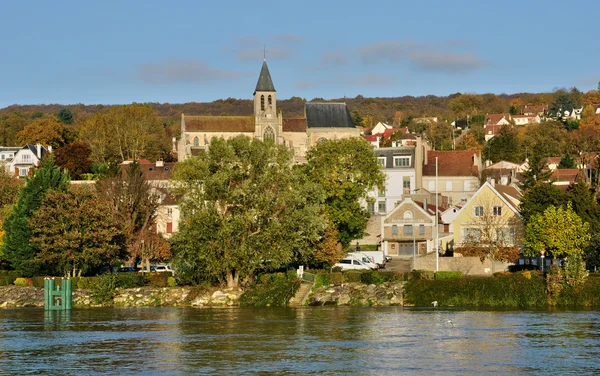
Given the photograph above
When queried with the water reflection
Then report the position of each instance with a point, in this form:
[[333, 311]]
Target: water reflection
[[389, 340]]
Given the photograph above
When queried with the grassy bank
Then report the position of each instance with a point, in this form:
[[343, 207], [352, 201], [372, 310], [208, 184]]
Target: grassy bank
[[511, 290]]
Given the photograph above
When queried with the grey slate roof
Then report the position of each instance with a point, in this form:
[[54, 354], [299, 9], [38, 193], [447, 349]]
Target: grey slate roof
[[265, 83], [390, 153], [328, 115]]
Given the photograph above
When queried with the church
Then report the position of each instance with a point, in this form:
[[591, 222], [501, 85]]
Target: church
[[321, 121]]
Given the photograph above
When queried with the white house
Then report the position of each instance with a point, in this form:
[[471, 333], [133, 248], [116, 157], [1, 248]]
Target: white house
[[526, 119], [26, 158], [399, 167], [380, 128]]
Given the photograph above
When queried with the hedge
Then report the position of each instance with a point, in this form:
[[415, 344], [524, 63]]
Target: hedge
[[271, 290], [519, 290], [447, 275]]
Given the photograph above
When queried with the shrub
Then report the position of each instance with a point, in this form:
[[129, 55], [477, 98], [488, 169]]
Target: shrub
[[447, 275], [336, 278], [421, 274], [131, 280], [322, 279], [8, 277], [172, 282], [159, 279], [389, 276], [103, 288], [39, 281], [372, 278], [21, 282], [352, 276], [273, 290], [512, 290]]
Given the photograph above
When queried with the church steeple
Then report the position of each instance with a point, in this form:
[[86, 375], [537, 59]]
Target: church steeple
[[265, 83]]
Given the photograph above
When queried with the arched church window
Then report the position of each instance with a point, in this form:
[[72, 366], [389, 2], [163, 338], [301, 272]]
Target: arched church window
[[262, 102], [269, 134], [270, 101], [196, 141]]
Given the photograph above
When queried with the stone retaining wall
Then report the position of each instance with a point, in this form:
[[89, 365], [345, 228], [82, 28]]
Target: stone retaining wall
[[357, 294], [19, 297]]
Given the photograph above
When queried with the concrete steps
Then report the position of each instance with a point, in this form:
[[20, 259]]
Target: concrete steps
[[301, 295]]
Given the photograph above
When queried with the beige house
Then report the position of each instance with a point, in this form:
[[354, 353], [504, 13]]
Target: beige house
[[408, 226], [321, 121], [457, 176], [491, 215]]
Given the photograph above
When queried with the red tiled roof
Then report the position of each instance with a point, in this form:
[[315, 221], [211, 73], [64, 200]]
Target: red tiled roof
[[565, 174], [535, 109], [370, 138], [495, 118], [219, 123], [151, 171], [452, 163], [294, 125]]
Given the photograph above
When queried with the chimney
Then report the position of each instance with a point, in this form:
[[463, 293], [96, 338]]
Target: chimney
[[493, 182], [418, 163], [49, 148], [38, 148], [160, 163], [174, 141]]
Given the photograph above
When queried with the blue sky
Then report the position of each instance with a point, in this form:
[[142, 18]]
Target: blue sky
[[112, 52]]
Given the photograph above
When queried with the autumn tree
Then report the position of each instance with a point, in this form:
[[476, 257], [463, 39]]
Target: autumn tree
[[45, 131], [133, 202], [346, 169], [243, 204], [329, 250], [10, 125], [559, 231], [74, 232], [469, 142], [75, 158], [465, 105], [126, 132], [9, 191], [17, 248]]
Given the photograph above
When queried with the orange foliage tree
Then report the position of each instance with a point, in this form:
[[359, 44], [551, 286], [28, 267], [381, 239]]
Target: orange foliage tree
[[45, 131]]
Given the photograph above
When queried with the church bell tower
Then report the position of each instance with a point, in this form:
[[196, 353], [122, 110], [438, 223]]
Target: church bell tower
[[268, 123]]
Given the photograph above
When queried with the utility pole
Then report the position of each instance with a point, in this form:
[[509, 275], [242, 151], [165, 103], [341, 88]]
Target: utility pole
[[437, 253]]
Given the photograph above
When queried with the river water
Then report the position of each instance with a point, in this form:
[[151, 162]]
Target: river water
[[329, 340]]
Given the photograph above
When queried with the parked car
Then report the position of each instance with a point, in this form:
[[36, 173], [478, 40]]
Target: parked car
[[126, 269], [352, 264], [164, 269]]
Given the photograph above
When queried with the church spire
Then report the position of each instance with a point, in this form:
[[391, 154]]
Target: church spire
[[265, 83]]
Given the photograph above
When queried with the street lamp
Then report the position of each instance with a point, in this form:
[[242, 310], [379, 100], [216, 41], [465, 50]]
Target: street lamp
[[543, 251]]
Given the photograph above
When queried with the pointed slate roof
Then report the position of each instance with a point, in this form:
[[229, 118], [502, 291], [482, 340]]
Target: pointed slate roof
[[265, 83]]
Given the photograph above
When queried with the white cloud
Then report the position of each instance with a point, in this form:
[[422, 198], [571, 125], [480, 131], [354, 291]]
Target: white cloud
[[445, 62], [195, 71]]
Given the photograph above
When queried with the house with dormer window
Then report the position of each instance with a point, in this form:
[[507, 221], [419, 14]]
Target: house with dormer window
[[26, 159]]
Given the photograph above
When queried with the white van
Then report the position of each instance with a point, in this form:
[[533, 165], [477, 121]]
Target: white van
[[352, 264], [364, 258]]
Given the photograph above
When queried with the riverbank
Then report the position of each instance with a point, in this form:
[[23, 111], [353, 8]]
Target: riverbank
[[21, 297]]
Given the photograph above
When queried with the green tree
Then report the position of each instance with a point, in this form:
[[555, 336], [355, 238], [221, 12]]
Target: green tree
[[347, 169], [74, 232], [581, 197], [65, 116], [567, 161], [10, 125], [564, 102], [17, 247], [535, 172], [504, 146], [539, 197], [559, 231], [243, 204], [465, 105]]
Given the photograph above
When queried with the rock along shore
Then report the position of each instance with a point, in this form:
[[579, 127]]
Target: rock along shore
[[348, 294]]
